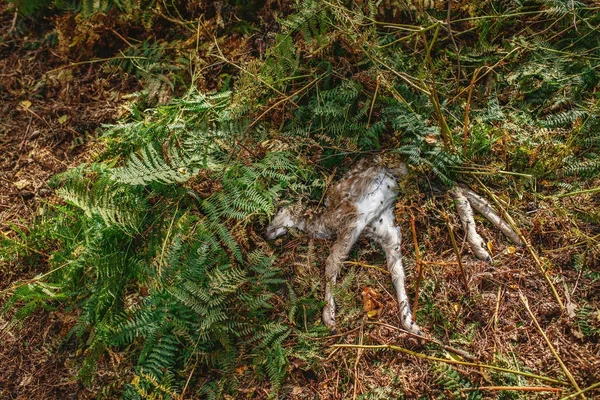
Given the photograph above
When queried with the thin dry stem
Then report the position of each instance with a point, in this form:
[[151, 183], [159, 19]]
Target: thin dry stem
[[358, 355], [419, 265], [457, 253], [373, 103], [578, 192], [587, 389], [467, 108], [450, 361], [514, 388], [365, 265], [560, 362], [463, 353]]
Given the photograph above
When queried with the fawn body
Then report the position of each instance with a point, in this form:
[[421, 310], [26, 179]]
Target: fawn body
[[361, 202]]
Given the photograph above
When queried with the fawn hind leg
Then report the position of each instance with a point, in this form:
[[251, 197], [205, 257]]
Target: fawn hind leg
[[385, 232]]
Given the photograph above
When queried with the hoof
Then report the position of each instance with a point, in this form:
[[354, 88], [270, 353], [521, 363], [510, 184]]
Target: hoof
[[413, 328], [329, 317]]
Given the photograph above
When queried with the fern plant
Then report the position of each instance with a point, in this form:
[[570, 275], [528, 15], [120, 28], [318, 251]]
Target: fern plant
[[452, 382], [158, 266]]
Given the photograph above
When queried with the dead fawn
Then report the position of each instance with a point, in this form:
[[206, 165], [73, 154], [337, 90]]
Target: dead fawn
[[363, 202]]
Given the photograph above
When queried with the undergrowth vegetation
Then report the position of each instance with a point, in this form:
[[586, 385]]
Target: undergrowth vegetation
[[156, 244]]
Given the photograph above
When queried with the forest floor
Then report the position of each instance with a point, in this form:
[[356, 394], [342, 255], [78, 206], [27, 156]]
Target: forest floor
[[52, 107], [50, 112]]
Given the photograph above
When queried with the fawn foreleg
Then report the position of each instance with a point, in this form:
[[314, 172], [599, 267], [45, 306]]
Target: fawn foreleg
[[388, 235]]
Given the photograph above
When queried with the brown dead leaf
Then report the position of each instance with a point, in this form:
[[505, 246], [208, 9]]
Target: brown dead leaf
[[241, 369], [371, 304], [431, 139], [297, 390], [571, 308], [22, 184]]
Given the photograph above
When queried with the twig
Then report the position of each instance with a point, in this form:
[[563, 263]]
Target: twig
[[373, 103], [463, 353], [444, 128], [451, 35], [96, 60], [419, 266], [365, 265], [484, 170], [514, 388], [33, 280], [405, 77], [467, 108], [574, 16], [587, 389], [497, 310], [164, 246], [488, 70], [13, 24], [122, 37], [28, 109], [198, 34], [187, 382], [457, 253], [449, 361], [560, 362], [572, 246], [222, 57], [287, 98], [358, 355], [587, 191], [439, 262], [343, 334]]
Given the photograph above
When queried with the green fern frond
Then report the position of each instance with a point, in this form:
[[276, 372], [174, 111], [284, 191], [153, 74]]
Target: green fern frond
[[150, 166], [560, 8], [585, 169], [114, 204], [564, 118], [452, 381]]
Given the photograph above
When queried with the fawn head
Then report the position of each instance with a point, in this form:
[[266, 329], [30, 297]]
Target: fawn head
[[286, 217]]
